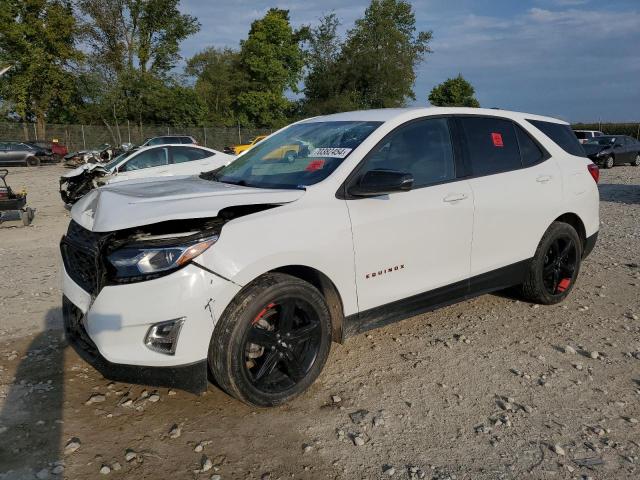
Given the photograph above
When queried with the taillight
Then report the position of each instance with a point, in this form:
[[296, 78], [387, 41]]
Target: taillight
[[594, 171]]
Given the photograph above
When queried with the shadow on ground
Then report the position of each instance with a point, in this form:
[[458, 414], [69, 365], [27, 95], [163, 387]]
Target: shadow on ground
[[31, 417]]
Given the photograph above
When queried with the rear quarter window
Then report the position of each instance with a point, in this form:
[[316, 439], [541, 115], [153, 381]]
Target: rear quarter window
[[562, 135]]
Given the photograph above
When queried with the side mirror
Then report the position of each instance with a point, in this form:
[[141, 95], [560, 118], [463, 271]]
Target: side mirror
[[382, 182]]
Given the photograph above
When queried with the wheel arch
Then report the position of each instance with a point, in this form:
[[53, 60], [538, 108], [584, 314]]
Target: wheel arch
[[328, 290], [576, 222]]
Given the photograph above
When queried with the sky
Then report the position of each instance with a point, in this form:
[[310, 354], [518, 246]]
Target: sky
[[578, 60]]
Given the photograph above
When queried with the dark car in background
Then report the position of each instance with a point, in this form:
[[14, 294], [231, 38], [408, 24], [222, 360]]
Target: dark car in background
[[169, 140], [610, 150], [23, 153]]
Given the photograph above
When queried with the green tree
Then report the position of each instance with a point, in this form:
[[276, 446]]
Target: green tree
[[271, 61], [38, 40], [380, 55], [134, 46], [217, 74], [453, 92]]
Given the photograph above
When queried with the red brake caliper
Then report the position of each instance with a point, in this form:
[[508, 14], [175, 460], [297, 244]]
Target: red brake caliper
[[262, 312], [563, 284]]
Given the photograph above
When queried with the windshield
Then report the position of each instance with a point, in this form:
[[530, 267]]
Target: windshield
[[298, 156], [602, 141]]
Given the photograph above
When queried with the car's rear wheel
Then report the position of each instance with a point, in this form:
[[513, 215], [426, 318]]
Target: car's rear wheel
[[272, 341], [555, 265], [636, 162], [609, 162]]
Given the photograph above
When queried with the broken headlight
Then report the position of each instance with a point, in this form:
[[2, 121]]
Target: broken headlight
[[148, 260]]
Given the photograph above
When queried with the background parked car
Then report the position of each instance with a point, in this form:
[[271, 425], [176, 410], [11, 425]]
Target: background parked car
[[22, 153], [58, 150], [143, 162], [238, 149], [169, 140], [586, 135], [610, 150]]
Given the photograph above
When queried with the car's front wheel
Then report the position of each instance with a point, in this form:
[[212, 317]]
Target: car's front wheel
[[272, 341], [609, 162], [555, 266], [636, 161]]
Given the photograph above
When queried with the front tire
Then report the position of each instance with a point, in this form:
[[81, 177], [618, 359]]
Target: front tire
[[555, 265], [33, 162], [272, 341], [636, 162], [609, 162]]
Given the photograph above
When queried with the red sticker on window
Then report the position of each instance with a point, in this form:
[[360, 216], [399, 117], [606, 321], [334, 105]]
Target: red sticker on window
[[315, 165], [497, 139]]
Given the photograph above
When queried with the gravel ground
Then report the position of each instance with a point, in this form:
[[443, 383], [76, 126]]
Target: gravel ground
[[489, 388]]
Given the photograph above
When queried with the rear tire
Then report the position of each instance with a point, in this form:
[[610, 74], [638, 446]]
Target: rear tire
[[272, 341], [609, 162], [555, 266]]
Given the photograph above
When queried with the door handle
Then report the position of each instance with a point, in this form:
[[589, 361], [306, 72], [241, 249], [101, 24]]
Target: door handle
[[454, 197], [544, 178]]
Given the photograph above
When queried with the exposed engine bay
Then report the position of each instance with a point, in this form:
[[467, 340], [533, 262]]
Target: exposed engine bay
[[72, 188]]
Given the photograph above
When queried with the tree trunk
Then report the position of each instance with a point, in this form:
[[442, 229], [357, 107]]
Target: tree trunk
[[41, 125]]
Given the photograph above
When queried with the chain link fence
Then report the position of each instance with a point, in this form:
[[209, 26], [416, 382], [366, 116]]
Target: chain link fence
[[80, 137]]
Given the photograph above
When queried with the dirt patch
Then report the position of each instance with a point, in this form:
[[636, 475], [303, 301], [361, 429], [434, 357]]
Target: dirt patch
[[482, 389]]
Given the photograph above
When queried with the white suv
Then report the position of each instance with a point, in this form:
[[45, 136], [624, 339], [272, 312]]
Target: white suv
[[253, 270]]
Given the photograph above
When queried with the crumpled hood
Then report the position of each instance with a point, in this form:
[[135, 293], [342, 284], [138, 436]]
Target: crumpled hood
[[82, 168], [143, 202]]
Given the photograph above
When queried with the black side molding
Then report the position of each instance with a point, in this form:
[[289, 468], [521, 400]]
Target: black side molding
[[376, 317]]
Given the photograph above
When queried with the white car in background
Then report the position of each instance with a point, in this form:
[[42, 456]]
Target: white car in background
[[252, 271], [585, 135], [144, 162]]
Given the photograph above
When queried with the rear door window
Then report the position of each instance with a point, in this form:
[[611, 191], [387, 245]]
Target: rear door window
[[562, 135], [188, 154], [491, 145]]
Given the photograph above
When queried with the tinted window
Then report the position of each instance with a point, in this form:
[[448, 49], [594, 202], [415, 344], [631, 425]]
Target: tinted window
[[530, 152], [583, 135], [186, 140], [187, 154], [491, 144], [422, 148], [561, 135], [155, 157]]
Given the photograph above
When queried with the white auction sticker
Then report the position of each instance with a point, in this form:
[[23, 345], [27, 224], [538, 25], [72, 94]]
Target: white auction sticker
[[334, 152]]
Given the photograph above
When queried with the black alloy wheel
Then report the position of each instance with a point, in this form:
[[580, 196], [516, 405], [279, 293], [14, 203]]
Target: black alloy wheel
[[282, 345], [555, 266], [272, 340], [560, 265]]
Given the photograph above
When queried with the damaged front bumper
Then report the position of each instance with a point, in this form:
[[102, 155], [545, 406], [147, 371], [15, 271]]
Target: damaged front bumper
[[111, 330]]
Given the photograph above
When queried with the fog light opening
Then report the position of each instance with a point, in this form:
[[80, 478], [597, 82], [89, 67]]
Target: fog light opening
[[162, 337]]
